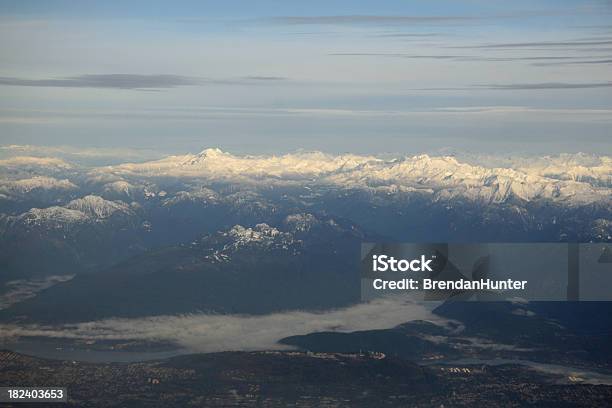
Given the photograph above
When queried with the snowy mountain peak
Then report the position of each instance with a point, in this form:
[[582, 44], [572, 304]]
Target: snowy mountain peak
[[207, 155], [211, 152], [96, 206]]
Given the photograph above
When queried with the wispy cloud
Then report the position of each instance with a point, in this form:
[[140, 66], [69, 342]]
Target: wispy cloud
[[363, 19], [23, 289], [546, 85], [538, 58], [231, 113], [524, 86], [396, 55], [265, 78], [41, 155], [374, 19], [530, 44], [541, 60], [116, 81], [581, 62], [409, 35], [130, 81]]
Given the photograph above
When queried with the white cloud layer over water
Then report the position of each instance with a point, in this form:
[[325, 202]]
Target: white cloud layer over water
[[213, 333]]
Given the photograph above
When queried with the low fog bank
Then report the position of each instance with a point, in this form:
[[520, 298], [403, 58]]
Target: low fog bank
[[216, 332]]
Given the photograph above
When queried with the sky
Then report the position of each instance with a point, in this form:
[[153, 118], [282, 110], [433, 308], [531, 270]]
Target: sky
[[526, 77]]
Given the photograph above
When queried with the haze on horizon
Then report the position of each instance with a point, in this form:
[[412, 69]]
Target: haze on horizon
[[527, 77]]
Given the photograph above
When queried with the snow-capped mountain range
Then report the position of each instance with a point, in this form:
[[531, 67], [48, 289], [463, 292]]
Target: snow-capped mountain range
[[50, 191], [90, 208], [571, 179]]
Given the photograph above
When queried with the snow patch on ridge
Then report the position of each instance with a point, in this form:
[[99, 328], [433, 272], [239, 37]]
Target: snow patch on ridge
[[52, 216], [119, 187], [25, 186], [262, 235], [97, 207], [301, 222]]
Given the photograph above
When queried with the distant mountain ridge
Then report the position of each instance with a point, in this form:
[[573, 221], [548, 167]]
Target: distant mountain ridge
[[570, 181]]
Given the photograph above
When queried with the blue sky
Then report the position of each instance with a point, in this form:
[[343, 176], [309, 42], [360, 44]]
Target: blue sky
[[337, 76]]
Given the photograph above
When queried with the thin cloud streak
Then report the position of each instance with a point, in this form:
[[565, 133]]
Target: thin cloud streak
[[539, 44], [114, 81], [373, 19], [409, 35], [363, 19], [138, 82], [561, 60], [523, 86], [546, 85], [248, 114], [265, 78], [397, 55], [587, 62]]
